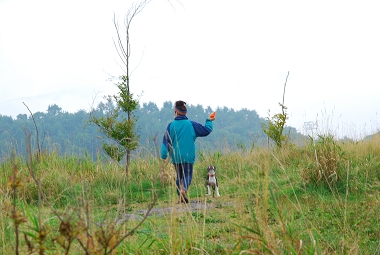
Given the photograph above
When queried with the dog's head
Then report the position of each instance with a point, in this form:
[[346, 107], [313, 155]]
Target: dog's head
[[211, 169]]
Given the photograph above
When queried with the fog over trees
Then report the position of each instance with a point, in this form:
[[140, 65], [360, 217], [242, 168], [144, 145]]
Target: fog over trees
[[73, 134]]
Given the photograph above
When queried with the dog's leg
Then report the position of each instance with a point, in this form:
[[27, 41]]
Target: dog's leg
[[217, 187], [208, 190], [217, 191]]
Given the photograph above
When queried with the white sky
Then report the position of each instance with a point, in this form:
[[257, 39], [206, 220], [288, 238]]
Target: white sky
[[209, 52]]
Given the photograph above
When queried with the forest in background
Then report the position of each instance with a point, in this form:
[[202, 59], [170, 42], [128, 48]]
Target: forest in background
[[73, 134]]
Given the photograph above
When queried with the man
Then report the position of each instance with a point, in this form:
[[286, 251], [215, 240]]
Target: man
[[179, 142]]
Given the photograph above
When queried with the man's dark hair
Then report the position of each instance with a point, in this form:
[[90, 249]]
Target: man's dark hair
[[181, 105]]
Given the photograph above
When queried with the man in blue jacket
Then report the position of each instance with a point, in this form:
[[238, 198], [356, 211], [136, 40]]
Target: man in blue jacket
[[179, 143]]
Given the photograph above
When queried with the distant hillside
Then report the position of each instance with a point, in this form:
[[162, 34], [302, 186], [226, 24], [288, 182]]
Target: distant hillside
[[70, 133]]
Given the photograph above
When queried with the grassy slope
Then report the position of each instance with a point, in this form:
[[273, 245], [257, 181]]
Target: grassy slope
[[271, 202]]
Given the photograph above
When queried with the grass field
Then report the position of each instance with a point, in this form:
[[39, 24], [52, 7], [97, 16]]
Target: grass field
[[297, 200]]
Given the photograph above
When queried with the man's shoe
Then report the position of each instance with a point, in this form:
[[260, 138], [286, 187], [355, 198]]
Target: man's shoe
[[184, 198]]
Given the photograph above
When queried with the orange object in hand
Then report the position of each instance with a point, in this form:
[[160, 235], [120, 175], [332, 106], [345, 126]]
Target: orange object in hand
[[212, 116]]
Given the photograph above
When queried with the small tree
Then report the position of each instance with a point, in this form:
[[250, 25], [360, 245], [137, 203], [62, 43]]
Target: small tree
[[117, 127], [275, 126], [276, 123]]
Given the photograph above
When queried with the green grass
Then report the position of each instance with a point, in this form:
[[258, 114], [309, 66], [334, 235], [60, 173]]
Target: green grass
[[272, 202]]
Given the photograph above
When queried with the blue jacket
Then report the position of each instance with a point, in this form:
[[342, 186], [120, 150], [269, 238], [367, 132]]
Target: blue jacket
[[179, 139]]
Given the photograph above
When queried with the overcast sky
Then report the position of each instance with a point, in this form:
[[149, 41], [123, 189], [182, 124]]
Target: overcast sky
[[211, 52]]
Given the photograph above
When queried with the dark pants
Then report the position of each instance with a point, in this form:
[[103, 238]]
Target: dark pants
[[184, 176]]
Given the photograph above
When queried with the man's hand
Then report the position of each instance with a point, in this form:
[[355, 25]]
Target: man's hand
[[212, 116]]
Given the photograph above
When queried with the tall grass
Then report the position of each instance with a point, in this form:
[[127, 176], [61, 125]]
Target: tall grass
[[272, 202]]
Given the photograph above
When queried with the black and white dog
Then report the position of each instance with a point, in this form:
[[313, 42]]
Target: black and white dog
[[212, 181]]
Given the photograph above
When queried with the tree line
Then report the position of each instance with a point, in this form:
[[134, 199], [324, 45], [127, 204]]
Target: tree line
[[74, 134]]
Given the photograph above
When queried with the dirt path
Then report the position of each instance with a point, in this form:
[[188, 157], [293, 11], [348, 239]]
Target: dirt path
[[193, 206]]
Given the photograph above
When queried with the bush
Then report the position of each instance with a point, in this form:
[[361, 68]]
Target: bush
[[329, 166]]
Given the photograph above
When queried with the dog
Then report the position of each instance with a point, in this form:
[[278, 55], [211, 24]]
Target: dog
[[212, 181]]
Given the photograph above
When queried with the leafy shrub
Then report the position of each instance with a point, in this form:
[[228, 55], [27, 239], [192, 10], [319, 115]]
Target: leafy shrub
[[275, 126]]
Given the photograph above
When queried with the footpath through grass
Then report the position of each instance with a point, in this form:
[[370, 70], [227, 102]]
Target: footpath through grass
[[272, 202]]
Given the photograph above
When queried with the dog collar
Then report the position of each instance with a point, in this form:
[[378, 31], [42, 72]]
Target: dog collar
[[211, 175]]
